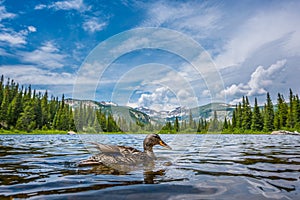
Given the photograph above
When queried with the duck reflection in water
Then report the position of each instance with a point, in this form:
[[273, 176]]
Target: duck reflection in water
[[149, 174], [122, 159]]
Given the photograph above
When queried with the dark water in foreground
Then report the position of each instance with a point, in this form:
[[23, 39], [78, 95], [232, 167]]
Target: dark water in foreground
[[198, 167]]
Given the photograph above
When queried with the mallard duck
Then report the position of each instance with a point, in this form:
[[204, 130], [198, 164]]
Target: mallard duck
[[112, 155]]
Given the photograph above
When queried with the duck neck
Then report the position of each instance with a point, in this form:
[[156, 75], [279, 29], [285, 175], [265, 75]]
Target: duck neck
[[150, 154], [149, 151]]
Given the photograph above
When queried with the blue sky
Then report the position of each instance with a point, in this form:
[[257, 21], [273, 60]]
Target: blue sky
[[254, 46]]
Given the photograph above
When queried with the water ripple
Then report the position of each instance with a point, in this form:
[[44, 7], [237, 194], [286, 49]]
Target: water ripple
[[198, 167]]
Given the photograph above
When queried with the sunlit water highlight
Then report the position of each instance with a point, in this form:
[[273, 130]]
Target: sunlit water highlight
[[198, 167]]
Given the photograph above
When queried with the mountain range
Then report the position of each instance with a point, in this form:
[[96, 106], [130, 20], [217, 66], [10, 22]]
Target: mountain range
[[147, 115]]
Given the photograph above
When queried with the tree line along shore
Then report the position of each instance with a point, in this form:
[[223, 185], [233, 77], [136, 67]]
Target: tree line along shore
[[23, 110], [247, 119]]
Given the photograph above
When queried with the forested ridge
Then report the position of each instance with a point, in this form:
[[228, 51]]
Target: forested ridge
[[22, 108], [284, 115], [246, 118]]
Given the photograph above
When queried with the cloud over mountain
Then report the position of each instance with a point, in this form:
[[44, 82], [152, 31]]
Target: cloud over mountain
[[260, 79]]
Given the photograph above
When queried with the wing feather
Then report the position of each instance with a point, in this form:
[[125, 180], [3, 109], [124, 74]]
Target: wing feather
[[124, 150], [105, 148]]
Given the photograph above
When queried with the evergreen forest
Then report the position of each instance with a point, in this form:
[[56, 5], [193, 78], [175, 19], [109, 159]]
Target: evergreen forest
[[247, 119]]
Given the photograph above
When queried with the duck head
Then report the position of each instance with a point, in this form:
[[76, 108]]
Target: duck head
[[152, 140]]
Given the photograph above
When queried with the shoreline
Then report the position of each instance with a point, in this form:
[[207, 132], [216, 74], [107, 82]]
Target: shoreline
[[55, 132]]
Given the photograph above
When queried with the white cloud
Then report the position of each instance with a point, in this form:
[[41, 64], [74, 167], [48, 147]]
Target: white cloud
[[233, 35], [206, 93], [238, 90], [89, 73], [30, 74], [47, 56], [277, 24], [10, 37], [165, 98], [152, 80], [92, 25], [159, 99], [194, 18], [130, 44], [260, 80], [40, 7], [13, 38], [65, 5], [162, 89], [31, 29], [69, 5], [7, 35], [236, 101], [4, 14]]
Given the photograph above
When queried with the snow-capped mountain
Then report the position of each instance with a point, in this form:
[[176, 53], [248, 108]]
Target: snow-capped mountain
[[108, 103], [205, 111], [177, 112]]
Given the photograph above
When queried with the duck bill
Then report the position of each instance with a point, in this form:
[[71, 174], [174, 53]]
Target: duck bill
[[162, 143]]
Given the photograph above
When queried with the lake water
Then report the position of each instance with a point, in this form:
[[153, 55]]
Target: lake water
[[198, 167]]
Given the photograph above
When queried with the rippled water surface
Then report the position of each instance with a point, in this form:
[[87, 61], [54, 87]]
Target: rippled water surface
[[198, 167]]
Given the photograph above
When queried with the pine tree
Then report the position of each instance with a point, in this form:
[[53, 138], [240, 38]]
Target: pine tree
[[176, 124], [190, 119], [246, 114], [72, 126], [239, 113], [199, 128], [1, 91], [4, 108], [296, 112], [290, 119], [111, 125], [61, 119], [96, 125], [102, 120], [234, 117], [225, 124], [15, 109], [277, 120], [214, 126], [45, 111], [269, 114], [27, 121], [282, 111], [257, 120], [53, 108], [194, 125], [167, 128], [38, 111]]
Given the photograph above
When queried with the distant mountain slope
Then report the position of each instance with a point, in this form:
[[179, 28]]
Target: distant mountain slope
[[183, 113], [223, 110], [117, 111]]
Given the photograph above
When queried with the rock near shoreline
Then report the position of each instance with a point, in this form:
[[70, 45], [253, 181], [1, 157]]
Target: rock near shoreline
[[284, 132]]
